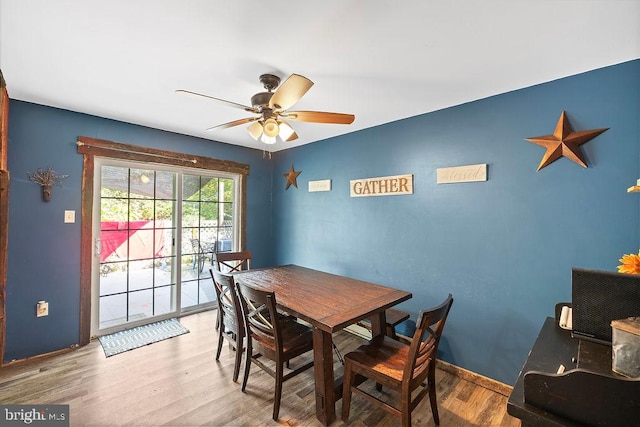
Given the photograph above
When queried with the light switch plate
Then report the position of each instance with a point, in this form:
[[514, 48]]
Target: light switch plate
[[69, 217], [42, 309]]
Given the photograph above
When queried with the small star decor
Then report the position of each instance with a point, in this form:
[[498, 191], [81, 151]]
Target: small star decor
[[564, 143], [292, 177]]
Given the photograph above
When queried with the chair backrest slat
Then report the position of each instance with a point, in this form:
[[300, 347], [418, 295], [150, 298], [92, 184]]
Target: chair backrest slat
[[424, 343], [228, 301], [230, 262], [260, 315]]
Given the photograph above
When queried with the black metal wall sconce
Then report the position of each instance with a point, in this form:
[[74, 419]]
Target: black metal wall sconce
[[46, 178]]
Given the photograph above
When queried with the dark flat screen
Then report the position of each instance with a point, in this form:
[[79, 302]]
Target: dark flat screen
[[598, 297]]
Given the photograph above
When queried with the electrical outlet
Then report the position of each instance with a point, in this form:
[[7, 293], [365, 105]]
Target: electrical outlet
[[69, 217], [42, 309]]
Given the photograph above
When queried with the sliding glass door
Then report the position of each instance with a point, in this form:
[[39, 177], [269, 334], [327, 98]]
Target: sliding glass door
[[154, 239], [207, 215]]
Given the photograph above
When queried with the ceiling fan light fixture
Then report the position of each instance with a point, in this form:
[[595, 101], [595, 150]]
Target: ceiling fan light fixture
[[272, 108], [286, 131], [271, 128], [255, 130], [268, 139]]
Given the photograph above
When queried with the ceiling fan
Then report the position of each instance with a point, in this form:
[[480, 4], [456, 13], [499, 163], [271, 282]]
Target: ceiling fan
[[272, 109]]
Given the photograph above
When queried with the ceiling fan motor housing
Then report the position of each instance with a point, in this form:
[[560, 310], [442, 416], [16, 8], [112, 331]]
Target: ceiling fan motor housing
[[261, 99], [269, 81]]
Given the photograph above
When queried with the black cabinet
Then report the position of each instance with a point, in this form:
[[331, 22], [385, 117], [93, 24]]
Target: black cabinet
[[586, 393]]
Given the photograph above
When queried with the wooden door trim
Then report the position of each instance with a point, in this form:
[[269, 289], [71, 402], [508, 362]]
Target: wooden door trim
[[91, 147], [4, 208]]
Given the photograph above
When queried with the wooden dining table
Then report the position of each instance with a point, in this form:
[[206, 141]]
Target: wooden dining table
[[329, 303]]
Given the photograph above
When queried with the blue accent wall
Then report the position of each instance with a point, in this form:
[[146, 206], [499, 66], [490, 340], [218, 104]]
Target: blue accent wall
[[505, 247], [44, 252]]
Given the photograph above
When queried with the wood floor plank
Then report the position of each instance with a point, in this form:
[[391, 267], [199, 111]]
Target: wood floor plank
[[178, 382]]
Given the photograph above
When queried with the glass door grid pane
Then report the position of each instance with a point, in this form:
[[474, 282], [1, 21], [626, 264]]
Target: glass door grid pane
[[137, 234], [207, 227]]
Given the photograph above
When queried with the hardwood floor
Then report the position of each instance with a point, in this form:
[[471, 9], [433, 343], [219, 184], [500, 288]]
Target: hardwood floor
[[177, 382]]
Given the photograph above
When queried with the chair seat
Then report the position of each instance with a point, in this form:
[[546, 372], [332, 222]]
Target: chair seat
[[295, 337], [384, 355]]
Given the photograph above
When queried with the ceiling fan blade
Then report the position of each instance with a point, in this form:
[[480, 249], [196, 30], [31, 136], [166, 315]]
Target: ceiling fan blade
[[228, 103], [255, 130], [320, 117], [234, 123], [289, 92], [286, 131]]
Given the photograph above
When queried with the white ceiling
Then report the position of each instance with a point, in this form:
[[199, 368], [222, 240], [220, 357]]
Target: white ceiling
[[380, 60]]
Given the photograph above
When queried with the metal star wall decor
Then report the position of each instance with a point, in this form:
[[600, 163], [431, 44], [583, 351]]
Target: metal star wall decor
[[564, 142], [292, 177]]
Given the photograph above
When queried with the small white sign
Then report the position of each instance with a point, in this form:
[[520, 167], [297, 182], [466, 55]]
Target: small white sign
[[321, 185], [382, 186], [470, 173]]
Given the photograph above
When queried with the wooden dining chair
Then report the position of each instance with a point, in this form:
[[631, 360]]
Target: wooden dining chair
[[273, 336], [230, 262], [231, 325], [403, 367]]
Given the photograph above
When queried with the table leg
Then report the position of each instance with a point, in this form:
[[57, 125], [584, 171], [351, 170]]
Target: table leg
[[378, 324], [323, 374]]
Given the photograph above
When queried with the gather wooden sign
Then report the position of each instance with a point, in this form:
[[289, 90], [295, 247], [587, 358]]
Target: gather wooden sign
[[382, 186]]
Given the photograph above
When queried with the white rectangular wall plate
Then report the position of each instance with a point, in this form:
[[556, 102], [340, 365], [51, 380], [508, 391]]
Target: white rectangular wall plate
[[469, 173], [69, 217], [42, 309], [320, 185]]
